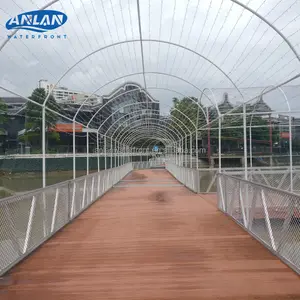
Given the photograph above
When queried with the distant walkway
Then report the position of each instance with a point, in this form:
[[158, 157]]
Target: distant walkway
[[151, 238]]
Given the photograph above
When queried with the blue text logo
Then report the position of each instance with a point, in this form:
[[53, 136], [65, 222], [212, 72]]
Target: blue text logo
[[37, 20]]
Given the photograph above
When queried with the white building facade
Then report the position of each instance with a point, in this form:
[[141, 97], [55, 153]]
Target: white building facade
[[66, 96]]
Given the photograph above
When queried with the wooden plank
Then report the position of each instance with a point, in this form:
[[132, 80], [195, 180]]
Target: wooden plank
[[152, 243]]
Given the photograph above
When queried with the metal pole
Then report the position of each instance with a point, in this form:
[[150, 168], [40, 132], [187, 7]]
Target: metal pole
[[118, 153], [250, 144], [98, 159], [105, 161], [191, 151], [196, 138], [291, 151], [111, 153], [185, 151], [74, 151], [87, 152], [245, 142], [115, 153], [208, 137], [220, 145], [44, 144], [270, 135]]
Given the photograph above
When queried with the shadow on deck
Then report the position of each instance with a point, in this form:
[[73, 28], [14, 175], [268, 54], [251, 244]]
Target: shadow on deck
[[151, 238]]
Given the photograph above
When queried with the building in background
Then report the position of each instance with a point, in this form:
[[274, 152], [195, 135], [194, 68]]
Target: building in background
[[123, 103], [64, 95], [90, 110]]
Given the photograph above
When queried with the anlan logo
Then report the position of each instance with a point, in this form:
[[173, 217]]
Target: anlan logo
[[37, 20]]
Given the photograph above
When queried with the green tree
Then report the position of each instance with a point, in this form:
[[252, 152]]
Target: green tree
[[188, 112], [33, 118]]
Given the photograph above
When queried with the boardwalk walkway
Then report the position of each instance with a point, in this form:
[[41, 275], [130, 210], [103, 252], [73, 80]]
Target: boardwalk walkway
[[151, 238]]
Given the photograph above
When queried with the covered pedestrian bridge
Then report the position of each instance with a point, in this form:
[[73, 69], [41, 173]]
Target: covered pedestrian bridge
[[152, 98]]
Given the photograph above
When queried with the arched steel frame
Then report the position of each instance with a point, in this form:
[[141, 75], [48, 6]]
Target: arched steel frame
[[149, 88], [140, 110], [144, 40], [285, 38], [137, 103], [140, 88], [290, 130], [141, 133], [141, 40], [139, 129]]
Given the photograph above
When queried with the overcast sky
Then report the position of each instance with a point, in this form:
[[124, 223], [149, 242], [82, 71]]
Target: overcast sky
[[250, 52]]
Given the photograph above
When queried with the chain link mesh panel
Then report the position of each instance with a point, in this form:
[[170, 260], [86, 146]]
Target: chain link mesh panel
[[26, 221], [271, 215]]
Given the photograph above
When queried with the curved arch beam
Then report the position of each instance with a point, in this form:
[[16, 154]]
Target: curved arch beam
[[140, 88], [140, 73], [174, 131], [133, 116], [172, 108], [154, 125], [141, 136], [123, 132], [269, 24], [143, 40], [140, 110], [150, 139], [131, 139], [234, 1]]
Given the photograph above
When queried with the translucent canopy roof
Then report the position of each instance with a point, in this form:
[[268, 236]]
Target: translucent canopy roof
[[166, 48]]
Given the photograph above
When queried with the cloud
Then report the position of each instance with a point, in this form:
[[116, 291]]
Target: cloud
[[244, 47]]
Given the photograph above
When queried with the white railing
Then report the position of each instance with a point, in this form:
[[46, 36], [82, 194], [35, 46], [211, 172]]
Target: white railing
[[277, 177], [188, 177], [151, 163], [27, 220], [271, 215]]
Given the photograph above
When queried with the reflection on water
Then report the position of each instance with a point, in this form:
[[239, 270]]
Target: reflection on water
[[15, 183]]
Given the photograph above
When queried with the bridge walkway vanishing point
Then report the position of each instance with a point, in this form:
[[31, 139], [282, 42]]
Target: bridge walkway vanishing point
[[151, 238]]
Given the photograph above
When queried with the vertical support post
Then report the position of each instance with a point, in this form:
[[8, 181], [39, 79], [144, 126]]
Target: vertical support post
[[44, 144], [267, 219], [98, 158], [111, 153], [270, 135], [73, 200], [92, 189], [105, 161], [116, 153], [291, 151], [185, 152], [250, 144], [29, 225], [54, 210], [87, 153], [74, 151], [208, 137], [191, 151], [84, 193], [245, 141], [196, 140], [220, 144], [242, 205]]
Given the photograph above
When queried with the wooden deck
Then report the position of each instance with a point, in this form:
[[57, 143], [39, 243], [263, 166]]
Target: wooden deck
[[151, 238]]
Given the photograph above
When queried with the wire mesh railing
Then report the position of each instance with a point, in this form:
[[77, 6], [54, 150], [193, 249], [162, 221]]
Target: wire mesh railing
[[189, 177], [28, 220], [204, 180], [271, 215]]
